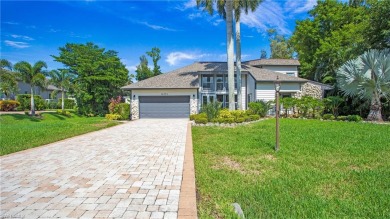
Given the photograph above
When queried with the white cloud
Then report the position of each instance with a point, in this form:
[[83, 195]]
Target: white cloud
[[131, 68], [11, 23], [174, 58], [268, 15], [15, 44], [156, 27], [187, 5], [248, 36], [296, 7], [21, 37], [195, 15]]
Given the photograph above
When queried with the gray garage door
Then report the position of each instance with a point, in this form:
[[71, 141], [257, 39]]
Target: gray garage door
[[164, 106]]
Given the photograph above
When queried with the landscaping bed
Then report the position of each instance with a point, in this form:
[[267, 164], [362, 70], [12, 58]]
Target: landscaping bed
[[19, 132], [323, 170]]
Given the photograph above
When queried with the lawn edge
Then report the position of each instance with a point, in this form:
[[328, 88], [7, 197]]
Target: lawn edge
[[187, 200], [54, 142]]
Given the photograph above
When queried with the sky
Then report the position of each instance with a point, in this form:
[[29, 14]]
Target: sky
[[34, 30]]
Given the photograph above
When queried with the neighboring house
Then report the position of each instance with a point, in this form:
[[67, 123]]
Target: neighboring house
[[182, 92], [24, 88]]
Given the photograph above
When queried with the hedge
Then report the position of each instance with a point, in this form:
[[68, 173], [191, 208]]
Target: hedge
[[25, 102]]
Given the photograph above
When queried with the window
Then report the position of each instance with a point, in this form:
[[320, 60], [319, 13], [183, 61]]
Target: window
[[290, 74], [207, 82], [227, 82], [219, 82]]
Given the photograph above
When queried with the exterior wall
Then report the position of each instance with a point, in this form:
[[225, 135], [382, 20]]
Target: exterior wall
[[243, 91], [193, 93], [251, 88], [45, 94], [283, 69], [266, 90], [309, 89]]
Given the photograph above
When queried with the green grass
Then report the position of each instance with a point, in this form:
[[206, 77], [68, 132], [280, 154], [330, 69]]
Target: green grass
[[20, 132], [323, 170]]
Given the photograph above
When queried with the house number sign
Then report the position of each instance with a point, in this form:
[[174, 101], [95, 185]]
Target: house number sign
[[164, 94]]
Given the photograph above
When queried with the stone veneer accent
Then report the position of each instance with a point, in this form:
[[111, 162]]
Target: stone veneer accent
[[309, 89], [134, 109], [193, 106]]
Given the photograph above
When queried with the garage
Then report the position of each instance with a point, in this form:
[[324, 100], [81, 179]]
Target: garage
[[164, 106]]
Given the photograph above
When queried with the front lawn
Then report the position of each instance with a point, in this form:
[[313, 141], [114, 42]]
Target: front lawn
[[323, 170], [20, 132]]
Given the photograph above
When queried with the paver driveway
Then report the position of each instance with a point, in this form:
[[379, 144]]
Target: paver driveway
[[132, 170]]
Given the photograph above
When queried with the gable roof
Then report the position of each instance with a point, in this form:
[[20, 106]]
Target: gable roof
[[261, 74], [258, 62], [187, 77]]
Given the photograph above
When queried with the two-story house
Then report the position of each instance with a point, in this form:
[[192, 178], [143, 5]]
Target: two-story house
[[182, 92]]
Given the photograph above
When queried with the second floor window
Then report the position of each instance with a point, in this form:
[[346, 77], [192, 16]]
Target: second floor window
[[207, 82]]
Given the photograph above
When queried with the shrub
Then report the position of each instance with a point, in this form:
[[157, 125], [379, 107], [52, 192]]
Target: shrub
[[201, 120], [7, 105], [113, 106], [25, 102], [259, 107], [238, 113], [68, 103], [225, 113], [341, 118], [113, 116], [328, 116], [211, 109], [192, 116], [354, 118], [228, 120], [254, 117], [52, 105], [64, 113], [124, 111], [247, 118], [240, 120]]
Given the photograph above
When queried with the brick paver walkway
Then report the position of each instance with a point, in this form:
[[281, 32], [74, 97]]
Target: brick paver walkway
[[132, 170]]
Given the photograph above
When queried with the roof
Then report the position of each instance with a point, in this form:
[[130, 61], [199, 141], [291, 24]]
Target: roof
[[187, 77], [52, 87], [257, 62], [261, 74]]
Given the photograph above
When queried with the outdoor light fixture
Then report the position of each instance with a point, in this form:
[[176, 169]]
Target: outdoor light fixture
[[193, 96], [277, 111], [134, 96]]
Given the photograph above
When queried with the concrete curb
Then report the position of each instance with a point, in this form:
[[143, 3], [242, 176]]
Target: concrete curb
[[187, 202]]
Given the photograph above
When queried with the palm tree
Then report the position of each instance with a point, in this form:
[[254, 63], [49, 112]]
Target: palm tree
[[8, 80], [32, 75], [367, 77], [62, 79], [238, 6], [225, 9]]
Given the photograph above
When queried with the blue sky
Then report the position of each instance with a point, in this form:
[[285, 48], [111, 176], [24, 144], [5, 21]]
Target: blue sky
[[34, 30]]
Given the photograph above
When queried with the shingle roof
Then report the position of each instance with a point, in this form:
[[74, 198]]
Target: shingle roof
[[261, 74], [257, 62], [187, 77]]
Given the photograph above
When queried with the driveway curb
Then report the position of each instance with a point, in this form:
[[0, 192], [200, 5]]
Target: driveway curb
[[187, 203]]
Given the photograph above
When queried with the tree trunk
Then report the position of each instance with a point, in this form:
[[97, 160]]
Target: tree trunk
[[63, 99], [32, 101], [238, 63], [375, 111], [230, 52]]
